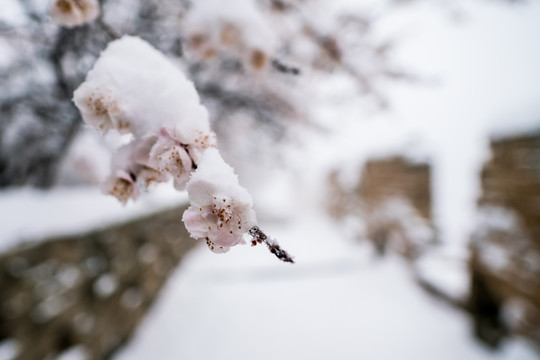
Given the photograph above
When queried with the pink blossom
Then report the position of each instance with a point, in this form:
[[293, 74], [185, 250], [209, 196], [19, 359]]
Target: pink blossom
[[169, 157], [122, 186], [152, 160], [197, 137], [221, 210], [122, 181], [74, 12], [130, 164], [100, 109]]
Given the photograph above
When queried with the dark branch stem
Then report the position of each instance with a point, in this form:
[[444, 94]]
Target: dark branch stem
[[284, 68], [260, 237]]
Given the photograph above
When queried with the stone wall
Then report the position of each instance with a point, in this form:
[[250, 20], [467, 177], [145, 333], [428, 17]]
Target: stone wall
[[505, 246], [396, 199], [397, 177], [393, 200], [512, 179], [88, 290]]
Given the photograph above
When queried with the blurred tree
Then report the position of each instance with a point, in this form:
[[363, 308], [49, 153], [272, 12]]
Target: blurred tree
[[244, 59]]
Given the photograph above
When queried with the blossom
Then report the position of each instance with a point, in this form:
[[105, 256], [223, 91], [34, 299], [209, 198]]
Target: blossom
[[139, 161], [74, 12], [238, 29], [100, 109], [195, 135], [220, 210], [134, 88], [169, 157], [122, 186]]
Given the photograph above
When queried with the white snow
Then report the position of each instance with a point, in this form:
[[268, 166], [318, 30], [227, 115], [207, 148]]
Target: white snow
[[105, 285], [447, 273], [33, 215], [498, 253], [212, 17], [73, 353], [214, 170], [336, 302], [479, 77], [8, 349], [12, 12], [87, 161], [134, 88], [497, 218], [399, 211]]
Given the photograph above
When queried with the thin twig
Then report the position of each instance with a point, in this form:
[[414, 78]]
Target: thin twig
[[284, 68], [260, 237]]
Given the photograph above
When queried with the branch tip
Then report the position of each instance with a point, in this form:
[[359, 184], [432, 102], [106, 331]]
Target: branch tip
[[258, 236]]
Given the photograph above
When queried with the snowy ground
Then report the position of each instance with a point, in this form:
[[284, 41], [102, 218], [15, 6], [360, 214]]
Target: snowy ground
[[337, 302]]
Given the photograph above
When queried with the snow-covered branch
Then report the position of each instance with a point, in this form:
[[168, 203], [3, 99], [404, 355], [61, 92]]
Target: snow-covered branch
[[133, 89], [260, 237]]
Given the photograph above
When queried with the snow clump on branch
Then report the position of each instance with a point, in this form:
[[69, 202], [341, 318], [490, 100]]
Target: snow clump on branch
[[221, 210], [134, 89]]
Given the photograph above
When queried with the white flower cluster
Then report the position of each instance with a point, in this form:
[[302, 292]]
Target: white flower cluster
[[221, 210], [71, 13], [237, 29], [133, 89]]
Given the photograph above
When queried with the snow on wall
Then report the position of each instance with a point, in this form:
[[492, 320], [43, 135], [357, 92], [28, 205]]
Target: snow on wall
[[35, 214]]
